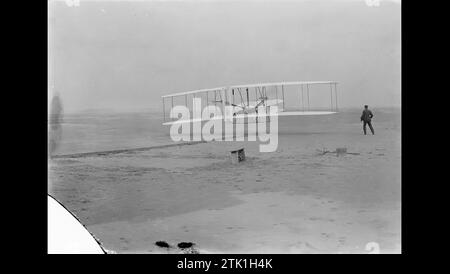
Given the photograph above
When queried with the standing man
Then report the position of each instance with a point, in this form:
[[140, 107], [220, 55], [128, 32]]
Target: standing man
[[366, 117]]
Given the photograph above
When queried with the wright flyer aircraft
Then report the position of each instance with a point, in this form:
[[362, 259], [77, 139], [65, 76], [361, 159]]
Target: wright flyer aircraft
[[297, 98]]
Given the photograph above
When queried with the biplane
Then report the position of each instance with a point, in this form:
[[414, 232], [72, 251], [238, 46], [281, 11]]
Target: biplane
[[252, 100]]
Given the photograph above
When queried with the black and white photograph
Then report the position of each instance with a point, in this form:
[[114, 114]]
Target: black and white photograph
[[224, 127]]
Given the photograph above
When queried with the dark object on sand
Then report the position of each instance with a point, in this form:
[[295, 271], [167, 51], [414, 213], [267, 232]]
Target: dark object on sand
[[183, 245], [162, 244], [237, 155]]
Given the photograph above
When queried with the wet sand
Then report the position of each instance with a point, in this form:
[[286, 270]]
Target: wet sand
[[294, 200]]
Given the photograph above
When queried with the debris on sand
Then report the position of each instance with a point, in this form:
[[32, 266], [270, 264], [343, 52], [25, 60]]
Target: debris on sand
[[162, 244], [190, 251]]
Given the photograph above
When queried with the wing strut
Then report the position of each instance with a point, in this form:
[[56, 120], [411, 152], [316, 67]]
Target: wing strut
[[307, 94], [164, 110], [335, 91]]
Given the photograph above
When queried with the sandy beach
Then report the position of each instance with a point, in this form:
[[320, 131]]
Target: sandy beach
[[294, 200]]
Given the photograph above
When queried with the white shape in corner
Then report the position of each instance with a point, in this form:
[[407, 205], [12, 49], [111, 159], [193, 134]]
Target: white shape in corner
[[66, 235]]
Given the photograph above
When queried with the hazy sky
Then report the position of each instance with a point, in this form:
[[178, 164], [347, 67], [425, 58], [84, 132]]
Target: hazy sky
[[125, 55]]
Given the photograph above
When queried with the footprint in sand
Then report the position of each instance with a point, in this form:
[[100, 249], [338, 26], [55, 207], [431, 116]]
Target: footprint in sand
[[342, 240], [314, 218], [310, 246], [124, 240], [326, 235]]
